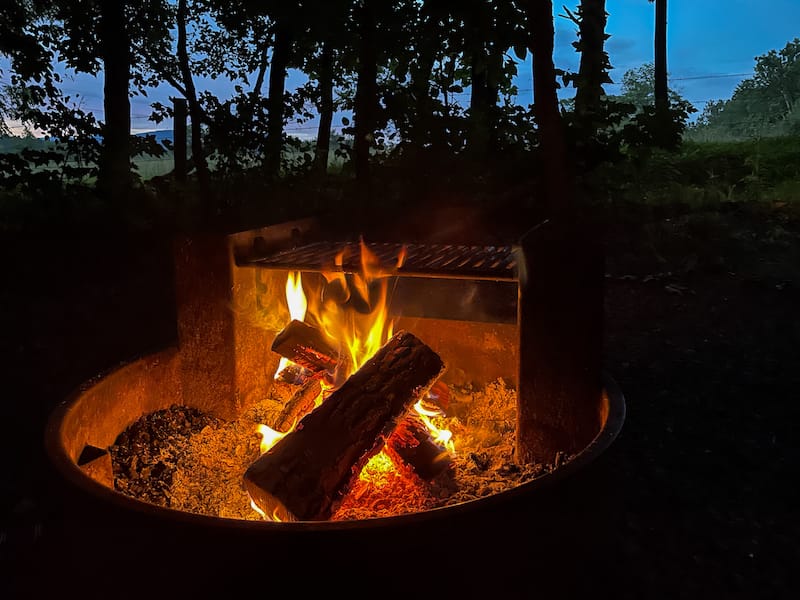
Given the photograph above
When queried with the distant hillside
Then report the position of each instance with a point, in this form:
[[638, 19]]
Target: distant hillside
[[161, 135], [16, 144], [12, 144]]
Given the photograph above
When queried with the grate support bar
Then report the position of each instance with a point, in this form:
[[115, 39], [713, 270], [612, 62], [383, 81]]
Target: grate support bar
[[497, 263]]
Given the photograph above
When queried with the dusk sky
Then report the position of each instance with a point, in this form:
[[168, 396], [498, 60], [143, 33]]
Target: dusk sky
[[711, 48]]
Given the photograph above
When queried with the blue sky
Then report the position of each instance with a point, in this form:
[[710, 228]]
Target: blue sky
[[712, 45]]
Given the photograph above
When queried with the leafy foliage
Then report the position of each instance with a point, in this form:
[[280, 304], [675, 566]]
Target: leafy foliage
[[765, 105], [443, 107]]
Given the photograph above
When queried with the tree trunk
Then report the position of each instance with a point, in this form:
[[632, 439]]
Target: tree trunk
[[366, 100], [195, 112], [179, 138], [263, 63], [560, 308], [660, 57], [483, 95], [558, 193], [115, 170], [325, 108], [478, 119], [277, 84], [421, 70], [592, 72]]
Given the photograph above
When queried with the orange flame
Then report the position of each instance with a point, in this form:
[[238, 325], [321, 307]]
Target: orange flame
[[273, 517], [443, 437], [360, 332], [298, 305], [354, 311], [269, 437]]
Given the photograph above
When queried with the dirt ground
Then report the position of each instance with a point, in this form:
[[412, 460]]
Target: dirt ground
[[702, 335]]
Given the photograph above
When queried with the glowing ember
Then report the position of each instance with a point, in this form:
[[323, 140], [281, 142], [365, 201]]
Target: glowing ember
[[377, 470]]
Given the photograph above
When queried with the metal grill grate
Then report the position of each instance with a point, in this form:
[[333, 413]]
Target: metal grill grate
[[421, 260]]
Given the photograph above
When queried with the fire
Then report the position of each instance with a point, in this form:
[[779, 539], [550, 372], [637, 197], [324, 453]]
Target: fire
[[295, 297], [443, 437], [377, 469], [352, 310], [355, 309], [298, 305], [361, 323], [269, 437], [273, 517]]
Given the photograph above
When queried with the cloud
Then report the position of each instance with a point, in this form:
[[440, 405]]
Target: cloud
[[620, 44]]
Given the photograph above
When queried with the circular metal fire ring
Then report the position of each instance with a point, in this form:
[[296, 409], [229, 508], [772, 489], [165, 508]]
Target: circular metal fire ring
[[64, 421]]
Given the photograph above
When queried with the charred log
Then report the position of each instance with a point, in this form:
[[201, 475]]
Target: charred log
[[411, 444], [415, 448], [304, 476], [307, 346], [299, 405]]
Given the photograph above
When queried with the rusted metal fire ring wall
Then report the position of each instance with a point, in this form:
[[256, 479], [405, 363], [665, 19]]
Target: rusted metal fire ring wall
[[221, 364], [100, 409]]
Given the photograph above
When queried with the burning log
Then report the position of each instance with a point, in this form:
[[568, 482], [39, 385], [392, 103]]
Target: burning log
[[411, 443], [307, 346], [415, 447], [306, 473], [299, 405]]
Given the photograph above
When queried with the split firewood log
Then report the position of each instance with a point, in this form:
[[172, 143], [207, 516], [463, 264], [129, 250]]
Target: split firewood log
[[411, 444], [305, 475], [307, 346], [299, 405], [416, 448]]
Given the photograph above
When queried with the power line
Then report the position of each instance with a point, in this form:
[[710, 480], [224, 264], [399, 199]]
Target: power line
[[711, 76]]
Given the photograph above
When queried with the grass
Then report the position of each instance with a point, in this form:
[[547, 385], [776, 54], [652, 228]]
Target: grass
[[710, 174], [698, 176]]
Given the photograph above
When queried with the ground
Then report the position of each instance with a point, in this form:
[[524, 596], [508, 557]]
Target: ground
[[701, 334]]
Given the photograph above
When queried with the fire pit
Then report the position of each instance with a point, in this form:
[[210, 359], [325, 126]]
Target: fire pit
[[364, 351]]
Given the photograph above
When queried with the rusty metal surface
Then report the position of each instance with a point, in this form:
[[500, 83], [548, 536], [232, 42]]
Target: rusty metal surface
[[421, 260], [89, 411]]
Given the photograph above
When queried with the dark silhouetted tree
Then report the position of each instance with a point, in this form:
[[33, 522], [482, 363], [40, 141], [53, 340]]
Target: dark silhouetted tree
[[558, 193], [115, 165], [594, 64], [661, 87]]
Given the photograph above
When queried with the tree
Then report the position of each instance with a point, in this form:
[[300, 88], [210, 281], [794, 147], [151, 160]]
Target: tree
[[594, 64], [638, 88], [325, 107], [778, 75], [561, 307], [763, 105], [114, 49], [553, 149], [195, 111], [660, 84], [366, 98], [661, 89], [284, 34], [642, 125]]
